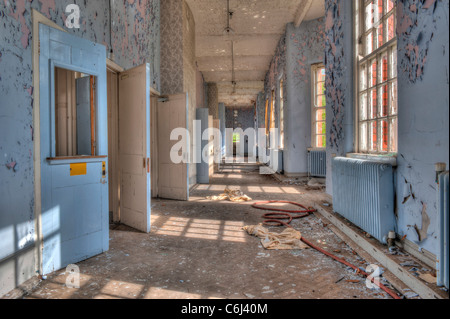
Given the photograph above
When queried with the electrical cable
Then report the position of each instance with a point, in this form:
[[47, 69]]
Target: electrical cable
[[278, 217]]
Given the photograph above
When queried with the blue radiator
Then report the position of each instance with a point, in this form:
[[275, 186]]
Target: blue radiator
[[363, 193], [317, 163], [443, 197]]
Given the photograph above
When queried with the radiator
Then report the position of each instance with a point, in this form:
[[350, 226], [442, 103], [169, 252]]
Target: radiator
[[443, 206], [317, 163], [363, 193]]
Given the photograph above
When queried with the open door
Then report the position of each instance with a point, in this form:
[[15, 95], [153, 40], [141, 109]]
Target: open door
[[173, 178], [134, 147], [74, 182]]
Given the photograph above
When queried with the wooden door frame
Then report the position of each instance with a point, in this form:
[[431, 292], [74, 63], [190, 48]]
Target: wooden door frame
[[154, 171]]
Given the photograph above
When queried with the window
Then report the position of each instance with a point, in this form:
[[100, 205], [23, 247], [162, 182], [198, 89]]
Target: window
[[272, 111], [377, 76], [319, 113], [75, 111], [267, 118], [281, 114]]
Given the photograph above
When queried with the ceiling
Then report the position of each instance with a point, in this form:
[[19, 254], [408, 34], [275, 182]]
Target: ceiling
[[258, 26]]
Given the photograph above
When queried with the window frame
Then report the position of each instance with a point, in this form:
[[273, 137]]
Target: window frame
[[281, 117], [390, 48], [314, 108]]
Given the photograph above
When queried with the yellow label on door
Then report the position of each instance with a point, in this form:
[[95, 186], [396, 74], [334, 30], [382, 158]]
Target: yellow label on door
[[104, 169], [78, 169]]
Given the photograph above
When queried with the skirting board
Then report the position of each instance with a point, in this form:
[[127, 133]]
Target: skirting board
[[423, 255], [408, 279]]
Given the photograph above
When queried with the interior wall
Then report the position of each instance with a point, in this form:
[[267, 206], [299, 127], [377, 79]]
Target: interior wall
[[189, 77], [296, 52], [213, 100], [136, 35], [172, 72], [423, 91], [423, 99], [17, 202], [178, 61], [305, 47], [201, 90], [339, 81]]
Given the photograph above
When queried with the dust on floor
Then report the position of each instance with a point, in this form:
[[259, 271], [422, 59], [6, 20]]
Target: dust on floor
[[198, 250]]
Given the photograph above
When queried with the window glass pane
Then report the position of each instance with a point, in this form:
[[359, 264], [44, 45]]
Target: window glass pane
[[321, 101], [380, 35], [378, 11], [363, 137], [363, 107], [393, 98], [384, 135], [383, 98], [373, 73], [390, 5], [390, 22], [393, 128], [321, 115], [373, 137], [372, 106], [393, 63], [383, 76], [369, 16], [363, 77], [369, 43], [321, 128], [320, 75], [321, 141], [320, 87]]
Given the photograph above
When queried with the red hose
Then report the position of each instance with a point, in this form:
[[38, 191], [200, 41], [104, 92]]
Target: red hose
[[278, 217]]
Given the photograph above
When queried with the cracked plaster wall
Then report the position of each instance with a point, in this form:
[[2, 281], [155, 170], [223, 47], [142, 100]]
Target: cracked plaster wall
[[423, 99], [135, 40]]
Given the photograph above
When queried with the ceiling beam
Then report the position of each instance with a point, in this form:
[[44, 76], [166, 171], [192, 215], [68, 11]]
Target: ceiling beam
[[302, 10]]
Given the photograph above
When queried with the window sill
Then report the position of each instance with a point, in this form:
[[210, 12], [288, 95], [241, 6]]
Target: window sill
[[387, 159]]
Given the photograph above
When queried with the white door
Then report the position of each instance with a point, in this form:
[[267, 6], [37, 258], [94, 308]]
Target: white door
[[173, 177], [134, 147]]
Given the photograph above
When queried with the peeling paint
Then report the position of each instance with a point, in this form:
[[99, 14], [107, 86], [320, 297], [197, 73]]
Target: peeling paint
[[336, 73], [416, 28], [11, 166]]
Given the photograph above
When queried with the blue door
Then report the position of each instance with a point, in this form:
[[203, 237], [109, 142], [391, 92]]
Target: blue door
[[74, 185]]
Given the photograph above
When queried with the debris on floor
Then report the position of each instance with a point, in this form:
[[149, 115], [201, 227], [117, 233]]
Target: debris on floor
[[232, 196], [429, 278], [289, 239]]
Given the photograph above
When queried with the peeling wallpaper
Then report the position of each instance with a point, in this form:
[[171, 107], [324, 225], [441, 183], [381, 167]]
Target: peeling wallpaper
[[178, 61], [189, 75], [172, 80], [213, 100]]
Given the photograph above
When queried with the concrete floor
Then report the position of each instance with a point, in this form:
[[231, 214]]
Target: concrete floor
[[198, 250]]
